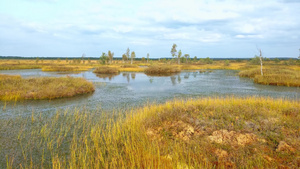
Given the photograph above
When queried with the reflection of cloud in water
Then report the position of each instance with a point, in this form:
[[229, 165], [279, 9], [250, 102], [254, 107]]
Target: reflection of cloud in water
[[105, 76]]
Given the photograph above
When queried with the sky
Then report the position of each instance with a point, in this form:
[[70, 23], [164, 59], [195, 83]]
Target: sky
[[202, 28]]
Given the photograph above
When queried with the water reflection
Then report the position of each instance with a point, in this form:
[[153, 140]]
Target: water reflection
[[176, 80], [187, 75], [127, 75]]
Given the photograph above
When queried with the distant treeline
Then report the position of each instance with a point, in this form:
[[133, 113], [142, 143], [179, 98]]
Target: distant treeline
[[119, 58]]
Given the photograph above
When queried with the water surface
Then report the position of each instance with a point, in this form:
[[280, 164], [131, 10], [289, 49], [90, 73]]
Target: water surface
[[130, 89]]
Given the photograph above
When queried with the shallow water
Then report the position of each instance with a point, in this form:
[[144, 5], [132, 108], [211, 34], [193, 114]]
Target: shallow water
[[130, 89]]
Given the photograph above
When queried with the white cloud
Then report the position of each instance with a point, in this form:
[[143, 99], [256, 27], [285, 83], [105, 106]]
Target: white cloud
[[140, 23]]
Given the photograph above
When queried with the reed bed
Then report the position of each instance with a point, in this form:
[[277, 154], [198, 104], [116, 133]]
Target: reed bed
[[14, 88], [274, 76], [196, 133], [161, 70]]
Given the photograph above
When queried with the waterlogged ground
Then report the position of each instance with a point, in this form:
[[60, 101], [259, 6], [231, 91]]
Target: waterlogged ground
[[130, 89]]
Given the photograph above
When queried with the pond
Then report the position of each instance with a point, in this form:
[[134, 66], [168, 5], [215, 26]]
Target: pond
[[131, 89]]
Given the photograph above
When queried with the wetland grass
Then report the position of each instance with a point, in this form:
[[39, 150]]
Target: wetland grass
[[196, 133], [106, 70], [161, 70], [277, 76], [65, 68], [13, 88]]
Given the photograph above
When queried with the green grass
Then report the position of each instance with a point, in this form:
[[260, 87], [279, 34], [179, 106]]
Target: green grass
[[16, 88], [277, 76], [160, 70], [201, 133]]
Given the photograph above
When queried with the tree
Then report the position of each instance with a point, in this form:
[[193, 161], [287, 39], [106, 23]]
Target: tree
[[147, 57], [261, 63], [37, 60], [143, 59], [103, 58], [124, 57], [276, 60], [179, 56], [226, 63], [110, 56], [132, 56], [174, 51], [195, 58], [128, 53], [187, 56]]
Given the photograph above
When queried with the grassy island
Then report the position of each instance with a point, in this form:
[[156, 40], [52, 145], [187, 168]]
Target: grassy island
[[17, 88], [196, 133], [106, 70], [161, 70]]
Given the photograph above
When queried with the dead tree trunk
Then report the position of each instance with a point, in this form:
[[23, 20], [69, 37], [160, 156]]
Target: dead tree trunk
[[261, 63]]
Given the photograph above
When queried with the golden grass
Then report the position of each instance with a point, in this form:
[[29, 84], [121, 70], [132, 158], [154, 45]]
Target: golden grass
[[65, 68], [257, 133], [17, 88], [106, 70], [162, 70], [278, 76]]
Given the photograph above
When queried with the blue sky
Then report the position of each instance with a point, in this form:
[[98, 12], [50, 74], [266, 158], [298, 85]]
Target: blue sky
[[202, 28]]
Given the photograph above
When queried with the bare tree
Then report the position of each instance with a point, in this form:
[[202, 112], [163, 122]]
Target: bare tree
[[261, 63], [132, 56], [179, 56], [187, 56], [128, 53], [148, 57], [110, 56]]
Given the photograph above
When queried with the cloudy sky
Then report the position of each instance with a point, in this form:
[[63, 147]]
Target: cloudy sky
[[202, 28]]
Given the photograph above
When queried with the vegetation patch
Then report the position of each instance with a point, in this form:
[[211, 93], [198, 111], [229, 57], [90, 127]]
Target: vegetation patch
[[274, 76], [63, 68], [201, 133], [106, 70], [161, 70], [16, 88], [17, 66]]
